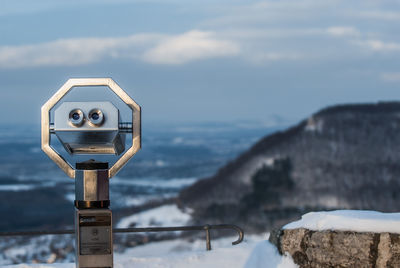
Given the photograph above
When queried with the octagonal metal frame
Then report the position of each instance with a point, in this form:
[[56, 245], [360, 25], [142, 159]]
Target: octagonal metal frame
[[84, 82]]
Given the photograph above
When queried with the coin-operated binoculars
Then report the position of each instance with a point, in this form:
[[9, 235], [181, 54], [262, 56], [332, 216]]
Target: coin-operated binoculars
[[91, 128]]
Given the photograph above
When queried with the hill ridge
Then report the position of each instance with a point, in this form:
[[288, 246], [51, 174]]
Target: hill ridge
[[340, 154]]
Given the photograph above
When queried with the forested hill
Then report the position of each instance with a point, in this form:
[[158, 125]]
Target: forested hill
[[342, 157]]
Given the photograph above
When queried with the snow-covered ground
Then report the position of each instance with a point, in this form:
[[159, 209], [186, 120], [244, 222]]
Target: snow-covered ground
[[254, 252], [167, 215], [349, 220]]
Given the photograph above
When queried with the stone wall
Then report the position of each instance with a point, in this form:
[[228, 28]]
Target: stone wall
[[317, 249]]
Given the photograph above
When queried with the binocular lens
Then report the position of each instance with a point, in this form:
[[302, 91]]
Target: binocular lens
[[96, 117], [76, 117]]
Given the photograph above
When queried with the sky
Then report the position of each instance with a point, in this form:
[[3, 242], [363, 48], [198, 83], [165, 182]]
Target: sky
[[202, 60]]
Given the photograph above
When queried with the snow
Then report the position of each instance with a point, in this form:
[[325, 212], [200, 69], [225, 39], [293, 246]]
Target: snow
[[16, 187], [266, 255], [349, 220], [160, 183], [253, 252], [142, 199], [38, 248], [314, 125], [70, 197], [57, 265], [167, 215]]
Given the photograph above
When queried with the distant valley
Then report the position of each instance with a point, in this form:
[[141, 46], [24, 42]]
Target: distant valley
[[36, 194]]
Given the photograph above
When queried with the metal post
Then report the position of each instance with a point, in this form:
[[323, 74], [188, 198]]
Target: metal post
[[93, 218], [208, 237], [91, 128]]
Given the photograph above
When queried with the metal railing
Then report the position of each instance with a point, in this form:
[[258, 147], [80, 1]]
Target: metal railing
[[205, 228]]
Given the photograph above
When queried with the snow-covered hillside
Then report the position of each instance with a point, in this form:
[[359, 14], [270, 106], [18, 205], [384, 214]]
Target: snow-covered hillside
[[254, 252]]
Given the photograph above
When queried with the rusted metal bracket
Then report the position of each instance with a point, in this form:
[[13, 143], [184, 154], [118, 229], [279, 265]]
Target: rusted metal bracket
[[205, 228]]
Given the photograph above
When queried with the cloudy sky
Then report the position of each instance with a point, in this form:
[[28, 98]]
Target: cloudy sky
[[202, 60]]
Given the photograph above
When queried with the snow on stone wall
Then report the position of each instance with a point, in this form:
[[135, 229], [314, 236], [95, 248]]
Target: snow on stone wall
[[349, 220]]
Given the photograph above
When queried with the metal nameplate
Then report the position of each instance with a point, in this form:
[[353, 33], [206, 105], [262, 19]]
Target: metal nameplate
[[95, 235]]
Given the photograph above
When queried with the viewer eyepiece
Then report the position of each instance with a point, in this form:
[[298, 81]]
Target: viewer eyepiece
[[96, 117], [76, 117]]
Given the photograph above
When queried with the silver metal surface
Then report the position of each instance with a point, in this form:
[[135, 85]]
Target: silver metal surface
[[76, 117], [91, 128], [47, 128], [91, 185], [93, 229], [101, 136]]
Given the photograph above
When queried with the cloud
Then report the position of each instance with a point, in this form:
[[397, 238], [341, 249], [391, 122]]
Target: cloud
[[277, 33], [305, 27], [61, 52], [11, 7], [73, 52], [270, 44], [391, 77], [379, 15], [257, 31], [378, 45], [342, 31], [269, 11], [151, 48], [256, 45], [275, 56], [190, 46]]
